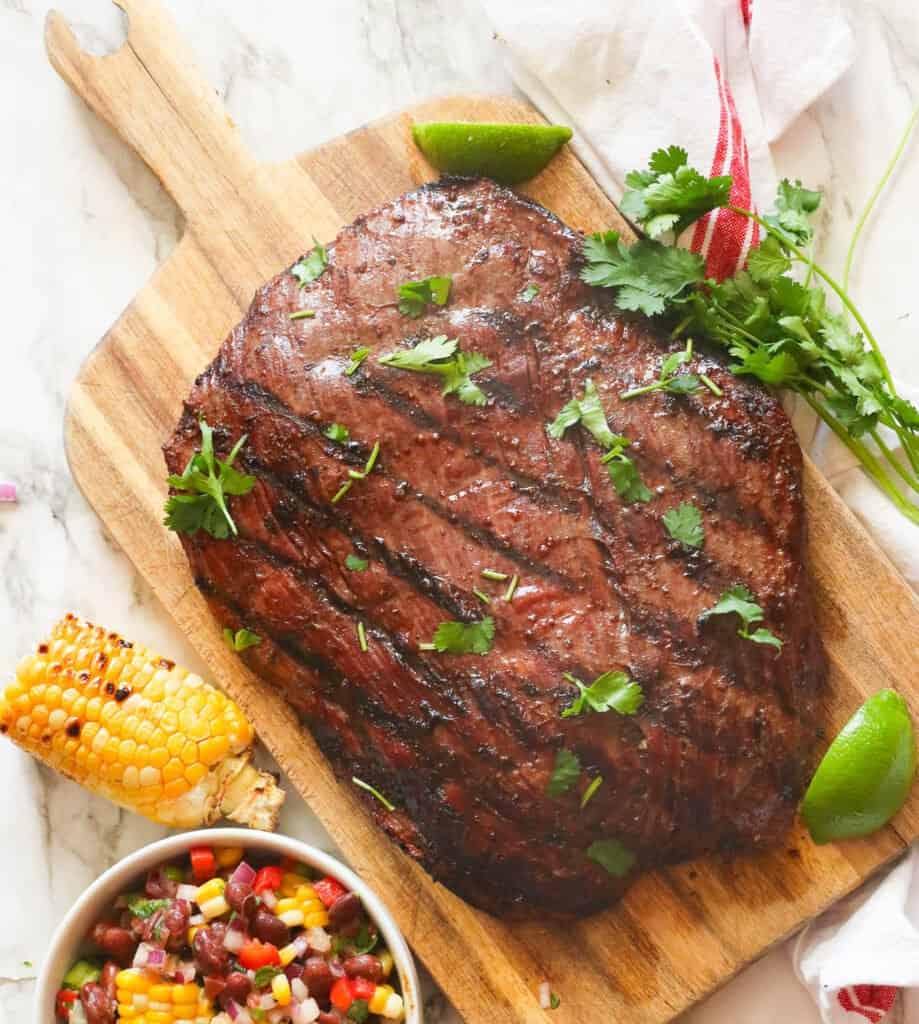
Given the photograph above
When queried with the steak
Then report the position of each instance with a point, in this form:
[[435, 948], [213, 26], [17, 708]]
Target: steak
[[464, 745]]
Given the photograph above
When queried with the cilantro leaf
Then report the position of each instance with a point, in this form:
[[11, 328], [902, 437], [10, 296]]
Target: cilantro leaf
[[203, 486], [312, 265], [565, 774], [357, 357], [554, 1001], [415, 295], [611, 691], [793, 206], [359, 1011], [739, 601], [623, 474], [241, 639], [355, 564], [337, 432], [265, 975], [145, 908], [669, 380], [529, 293], [440, 356], [646, 275], [612, 855], [684, 524], [767, 261], [463, 637], [587, 410], [670, 195]]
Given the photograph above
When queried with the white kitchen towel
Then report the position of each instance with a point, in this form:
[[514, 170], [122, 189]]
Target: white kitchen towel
[[724, 79]]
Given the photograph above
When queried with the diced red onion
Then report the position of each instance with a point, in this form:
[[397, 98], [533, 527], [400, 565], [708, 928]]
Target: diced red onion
[[298, 990], [186, 972], [151, 957], [238, 1014], [318, 939], [187, 892], [8, 492], [266, 1002], [234, 940], [269, 899], [545, 995], [305, 1012], [243, 873]]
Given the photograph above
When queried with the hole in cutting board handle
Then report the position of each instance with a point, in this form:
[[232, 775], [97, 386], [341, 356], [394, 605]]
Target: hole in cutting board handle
[[99, 26]]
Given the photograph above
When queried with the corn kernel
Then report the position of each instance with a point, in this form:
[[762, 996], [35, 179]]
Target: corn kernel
[[379, 997], [209, 890], [185, 993], [394, 1008], [287, 954], [318, 919], [285, 905], [134, 980], [161, 993], [280, 989], [158, 1017], [214, 908], [292, 918], [185, 1011], [386, 962]]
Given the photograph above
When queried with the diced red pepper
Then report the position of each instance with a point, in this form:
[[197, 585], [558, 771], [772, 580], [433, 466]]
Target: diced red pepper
[[64, 1002], [267, 879], [362, 988], [340, 995], [257, 954], [203, 863], [329, 889]]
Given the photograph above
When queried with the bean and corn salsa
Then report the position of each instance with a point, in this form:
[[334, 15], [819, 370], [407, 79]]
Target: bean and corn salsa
[[229, 938]]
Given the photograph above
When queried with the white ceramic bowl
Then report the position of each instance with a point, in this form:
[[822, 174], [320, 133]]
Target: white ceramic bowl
[[90, 906]]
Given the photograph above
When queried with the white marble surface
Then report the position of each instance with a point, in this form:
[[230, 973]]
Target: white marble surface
[[84, 224]]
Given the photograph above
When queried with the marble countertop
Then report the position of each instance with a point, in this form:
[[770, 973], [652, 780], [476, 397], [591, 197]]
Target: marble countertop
[[85, 223]]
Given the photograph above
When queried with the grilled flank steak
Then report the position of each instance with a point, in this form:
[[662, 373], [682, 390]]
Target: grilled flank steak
[[465, 745]]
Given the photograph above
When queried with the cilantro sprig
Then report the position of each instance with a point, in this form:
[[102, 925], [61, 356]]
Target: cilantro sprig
[[204, 487], [611, 691], [739, 601], [588, 411], [612, 855], [784, 319], [463, 637], [441, 356], [241, 640], [415, 296]]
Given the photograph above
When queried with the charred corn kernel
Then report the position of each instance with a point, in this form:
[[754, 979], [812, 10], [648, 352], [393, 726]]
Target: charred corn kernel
[[288, 954], [133, 726], [280, 989], [317, 919], [386, 962], [378, 999], [210, 890], [134, 980], [228, 856]]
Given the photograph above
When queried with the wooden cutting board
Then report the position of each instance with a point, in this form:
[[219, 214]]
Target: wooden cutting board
[[680, 933]]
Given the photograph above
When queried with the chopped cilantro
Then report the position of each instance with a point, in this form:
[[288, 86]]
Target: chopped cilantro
[[312, 265], [739, 601], [204, 486], [529, 293], [362, 636], [554, 1001], [355, 564], [565, 773], [415, 295], [265, 975], [684, 524], [241, 639], [303, 314], [612, 855], [441, 357], [591, 789], [359, 1011], [337, 432], [612, 691], [463, 637], [145, 908], [357, 357]]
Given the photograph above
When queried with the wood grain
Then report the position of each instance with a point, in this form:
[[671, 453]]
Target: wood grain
[[680, 933]]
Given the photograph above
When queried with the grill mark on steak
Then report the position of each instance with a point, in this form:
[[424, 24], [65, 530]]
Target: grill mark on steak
[[721, 748]]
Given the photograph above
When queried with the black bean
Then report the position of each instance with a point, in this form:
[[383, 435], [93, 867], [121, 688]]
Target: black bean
[[238, 987], [175, 921], [344, 910], [317, 976], [364, 966], [98, 1005], [268, 928], [330, 1017], [236, 893], [107, 977], [116, 942], [209, 949]]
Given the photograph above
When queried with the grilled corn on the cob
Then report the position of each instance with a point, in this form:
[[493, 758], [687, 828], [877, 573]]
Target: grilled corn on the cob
[[133, 726]]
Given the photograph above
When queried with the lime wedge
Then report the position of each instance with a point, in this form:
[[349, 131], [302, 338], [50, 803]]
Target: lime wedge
[[509, 153], [865, 776]]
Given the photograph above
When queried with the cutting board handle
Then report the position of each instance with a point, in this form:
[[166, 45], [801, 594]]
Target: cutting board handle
[[150, 92]]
